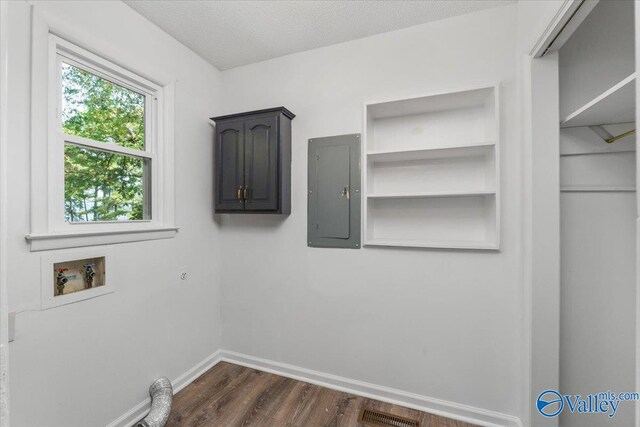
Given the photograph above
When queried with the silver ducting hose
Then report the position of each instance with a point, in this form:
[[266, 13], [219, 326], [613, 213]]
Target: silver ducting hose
[[161, 395]]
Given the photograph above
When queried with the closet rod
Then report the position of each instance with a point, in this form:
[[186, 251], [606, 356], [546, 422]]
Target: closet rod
[[622, 135], [607, 137]]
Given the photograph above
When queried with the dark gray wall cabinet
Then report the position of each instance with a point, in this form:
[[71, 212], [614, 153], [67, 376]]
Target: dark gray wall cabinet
[[253, 162]]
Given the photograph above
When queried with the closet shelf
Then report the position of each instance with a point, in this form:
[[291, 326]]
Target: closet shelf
[[616, 105], [470, 150], [462, 193], [598, 188], [435, 244]]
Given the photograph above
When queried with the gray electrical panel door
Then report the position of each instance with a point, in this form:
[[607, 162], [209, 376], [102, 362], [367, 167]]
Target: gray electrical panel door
[[333, 218]]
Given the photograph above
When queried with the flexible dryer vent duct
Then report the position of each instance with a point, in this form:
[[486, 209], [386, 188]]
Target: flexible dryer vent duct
[[161, 395]]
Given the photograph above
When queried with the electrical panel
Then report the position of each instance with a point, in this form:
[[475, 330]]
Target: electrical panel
[[333, 215]]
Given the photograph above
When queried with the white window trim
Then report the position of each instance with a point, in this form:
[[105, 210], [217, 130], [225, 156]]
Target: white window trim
[[48, 228]]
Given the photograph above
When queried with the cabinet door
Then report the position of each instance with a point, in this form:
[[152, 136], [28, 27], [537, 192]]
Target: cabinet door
[[229, 166], [261, 163]]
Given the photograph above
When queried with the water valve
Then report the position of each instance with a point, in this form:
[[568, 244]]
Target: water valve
[[89, 273], [61, 280]]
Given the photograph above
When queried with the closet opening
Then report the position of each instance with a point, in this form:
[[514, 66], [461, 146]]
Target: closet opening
[[597, 96]]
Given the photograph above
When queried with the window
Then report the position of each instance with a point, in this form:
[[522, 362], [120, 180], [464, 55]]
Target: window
[[104, 129], [108, 152]]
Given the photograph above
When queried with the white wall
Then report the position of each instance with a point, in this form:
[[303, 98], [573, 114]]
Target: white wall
[[89, 362], [534, 18], [444, 324]]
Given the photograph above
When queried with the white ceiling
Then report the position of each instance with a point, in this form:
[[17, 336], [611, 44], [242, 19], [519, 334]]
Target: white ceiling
[[233, 33]]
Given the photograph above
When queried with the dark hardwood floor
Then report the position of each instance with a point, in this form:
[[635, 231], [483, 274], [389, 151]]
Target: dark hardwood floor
[[229, 395]]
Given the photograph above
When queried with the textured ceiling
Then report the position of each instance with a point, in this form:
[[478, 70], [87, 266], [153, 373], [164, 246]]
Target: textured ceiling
[[233, 33]]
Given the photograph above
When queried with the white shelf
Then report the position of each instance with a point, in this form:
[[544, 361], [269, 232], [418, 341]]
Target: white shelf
[[423, 195], [598, 189], [471, 150], [616, 105], [435, 244], [462, 193], [430, 104]]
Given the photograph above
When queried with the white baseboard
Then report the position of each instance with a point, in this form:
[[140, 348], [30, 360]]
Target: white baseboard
[[444, 408], [139, 411], [440, 407]]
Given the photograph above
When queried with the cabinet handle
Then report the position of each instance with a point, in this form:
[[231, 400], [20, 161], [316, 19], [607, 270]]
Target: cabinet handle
[[345, 192], [239, 193], [246, 193]]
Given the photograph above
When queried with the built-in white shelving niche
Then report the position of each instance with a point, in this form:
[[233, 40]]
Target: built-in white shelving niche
[[431, 167]]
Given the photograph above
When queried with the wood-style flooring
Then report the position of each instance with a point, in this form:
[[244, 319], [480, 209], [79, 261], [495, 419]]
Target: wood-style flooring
[[229, 395]]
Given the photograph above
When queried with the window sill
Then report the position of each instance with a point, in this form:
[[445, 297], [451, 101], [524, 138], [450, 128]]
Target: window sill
[[44, 242]]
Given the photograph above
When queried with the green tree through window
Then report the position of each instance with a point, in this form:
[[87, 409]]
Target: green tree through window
[[100, 185]]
